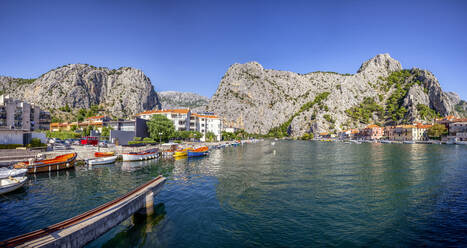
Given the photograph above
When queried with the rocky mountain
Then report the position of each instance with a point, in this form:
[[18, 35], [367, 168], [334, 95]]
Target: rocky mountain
[[174, 99], [261, 100], [121, 93]]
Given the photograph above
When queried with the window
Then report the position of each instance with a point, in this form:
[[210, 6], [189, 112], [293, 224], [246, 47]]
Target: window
[[202, 125]]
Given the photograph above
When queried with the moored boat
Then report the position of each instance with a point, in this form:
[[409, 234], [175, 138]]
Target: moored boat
[[11, 184], [62, 162], [103, 154], [143, 155], [102, 160], [182, 153], [6, 172], [202, 151]]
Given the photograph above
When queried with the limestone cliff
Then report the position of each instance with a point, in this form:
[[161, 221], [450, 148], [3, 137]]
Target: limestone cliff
[[260, 100], [120, 93], [174, 99]]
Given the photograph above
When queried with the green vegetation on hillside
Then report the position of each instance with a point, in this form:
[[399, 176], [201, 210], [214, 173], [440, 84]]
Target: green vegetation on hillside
[[364, 111], [282, 130], [461, 108], [426, 112], [21, 81]]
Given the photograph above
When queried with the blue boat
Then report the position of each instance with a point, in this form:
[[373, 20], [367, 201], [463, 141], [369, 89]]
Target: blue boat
[[202, 151]]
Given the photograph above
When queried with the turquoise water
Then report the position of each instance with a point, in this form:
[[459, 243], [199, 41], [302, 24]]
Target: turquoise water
[[293, 194]]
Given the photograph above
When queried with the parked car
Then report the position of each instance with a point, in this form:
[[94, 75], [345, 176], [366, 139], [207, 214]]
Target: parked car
[[89, 140], [103, 143]]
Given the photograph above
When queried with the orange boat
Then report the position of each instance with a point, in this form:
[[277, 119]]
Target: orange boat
[[61, 162], [103, 154]]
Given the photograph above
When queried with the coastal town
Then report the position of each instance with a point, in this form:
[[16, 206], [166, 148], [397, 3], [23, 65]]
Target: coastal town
[[453, 131], [20, 119]]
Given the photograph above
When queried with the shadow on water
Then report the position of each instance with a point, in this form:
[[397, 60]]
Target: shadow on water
[[136, 230]]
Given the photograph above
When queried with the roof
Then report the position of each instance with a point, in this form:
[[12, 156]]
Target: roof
[[406, 126], [205, 116], [157, 111], [372, 126], [460, 120], [424, 125], [95, 117], [324, 134]]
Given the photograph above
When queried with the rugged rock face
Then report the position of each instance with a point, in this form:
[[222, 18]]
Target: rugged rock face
[[259, 99], [121, 92], [173, 99]]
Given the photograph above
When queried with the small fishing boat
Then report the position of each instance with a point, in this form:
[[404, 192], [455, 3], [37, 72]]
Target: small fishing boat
[[103, 154], [11, 184], [62, 162], [409, 142], [102, 160], [143, 155], [182, 152], [6, 172], [202, 151]]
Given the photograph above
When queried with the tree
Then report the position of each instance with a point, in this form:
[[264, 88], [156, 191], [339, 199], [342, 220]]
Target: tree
[[106, 131], [160, 128], [73, 128], [210, 136], [307, 136], [195, 135], [437, 130], [88, 130], [227, 136]]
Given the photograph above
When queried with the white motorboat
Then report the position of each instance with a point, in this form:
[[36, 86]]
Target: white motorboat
[[138, 156], [102, 160], [6, 173], [409, 142], [11, 184]]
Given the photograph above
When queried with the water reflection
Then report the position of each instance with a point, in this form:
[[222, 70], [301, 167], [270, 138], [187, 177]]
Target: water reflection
[[136, 230], [296, 193]]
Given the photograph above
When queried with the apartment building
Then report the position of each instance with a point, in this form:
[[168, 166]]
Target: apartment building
[[180, 117], [416, 132], [458, 129], [16, 114], [372, 132], [205, 123], [185, 120]]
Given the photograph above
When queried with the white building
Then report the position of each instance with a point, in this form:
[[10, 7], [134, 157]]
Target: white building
[[184, 120], [180, 117], [16, 114], [208, 123]]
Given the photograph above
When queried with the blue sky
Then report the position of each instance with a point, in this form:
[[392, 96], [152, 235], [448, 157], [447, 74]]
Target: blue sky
[[189, 45]]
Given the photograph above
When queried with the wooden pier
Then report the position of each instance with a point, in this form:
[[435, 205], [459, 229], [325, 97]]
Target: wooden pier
[[88, 226]]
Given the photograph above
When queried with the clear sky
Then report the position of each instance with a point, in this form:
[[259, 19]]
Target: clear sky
[[189, 45]]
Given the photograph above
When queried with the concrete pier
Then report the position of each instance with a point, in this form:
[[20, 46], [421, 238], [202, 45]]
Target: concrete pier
[[84, 228]]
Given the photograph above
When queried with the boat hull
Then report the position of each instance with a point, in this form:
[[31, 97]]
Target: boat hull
[[104, 160], [5, 173], [103, 154], [197, 154], [9, 185], [139, 157], [50, 164]]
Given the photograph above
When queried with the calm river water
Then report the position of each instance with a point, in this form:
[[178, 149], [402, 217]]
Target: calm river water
[[293, 194]]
